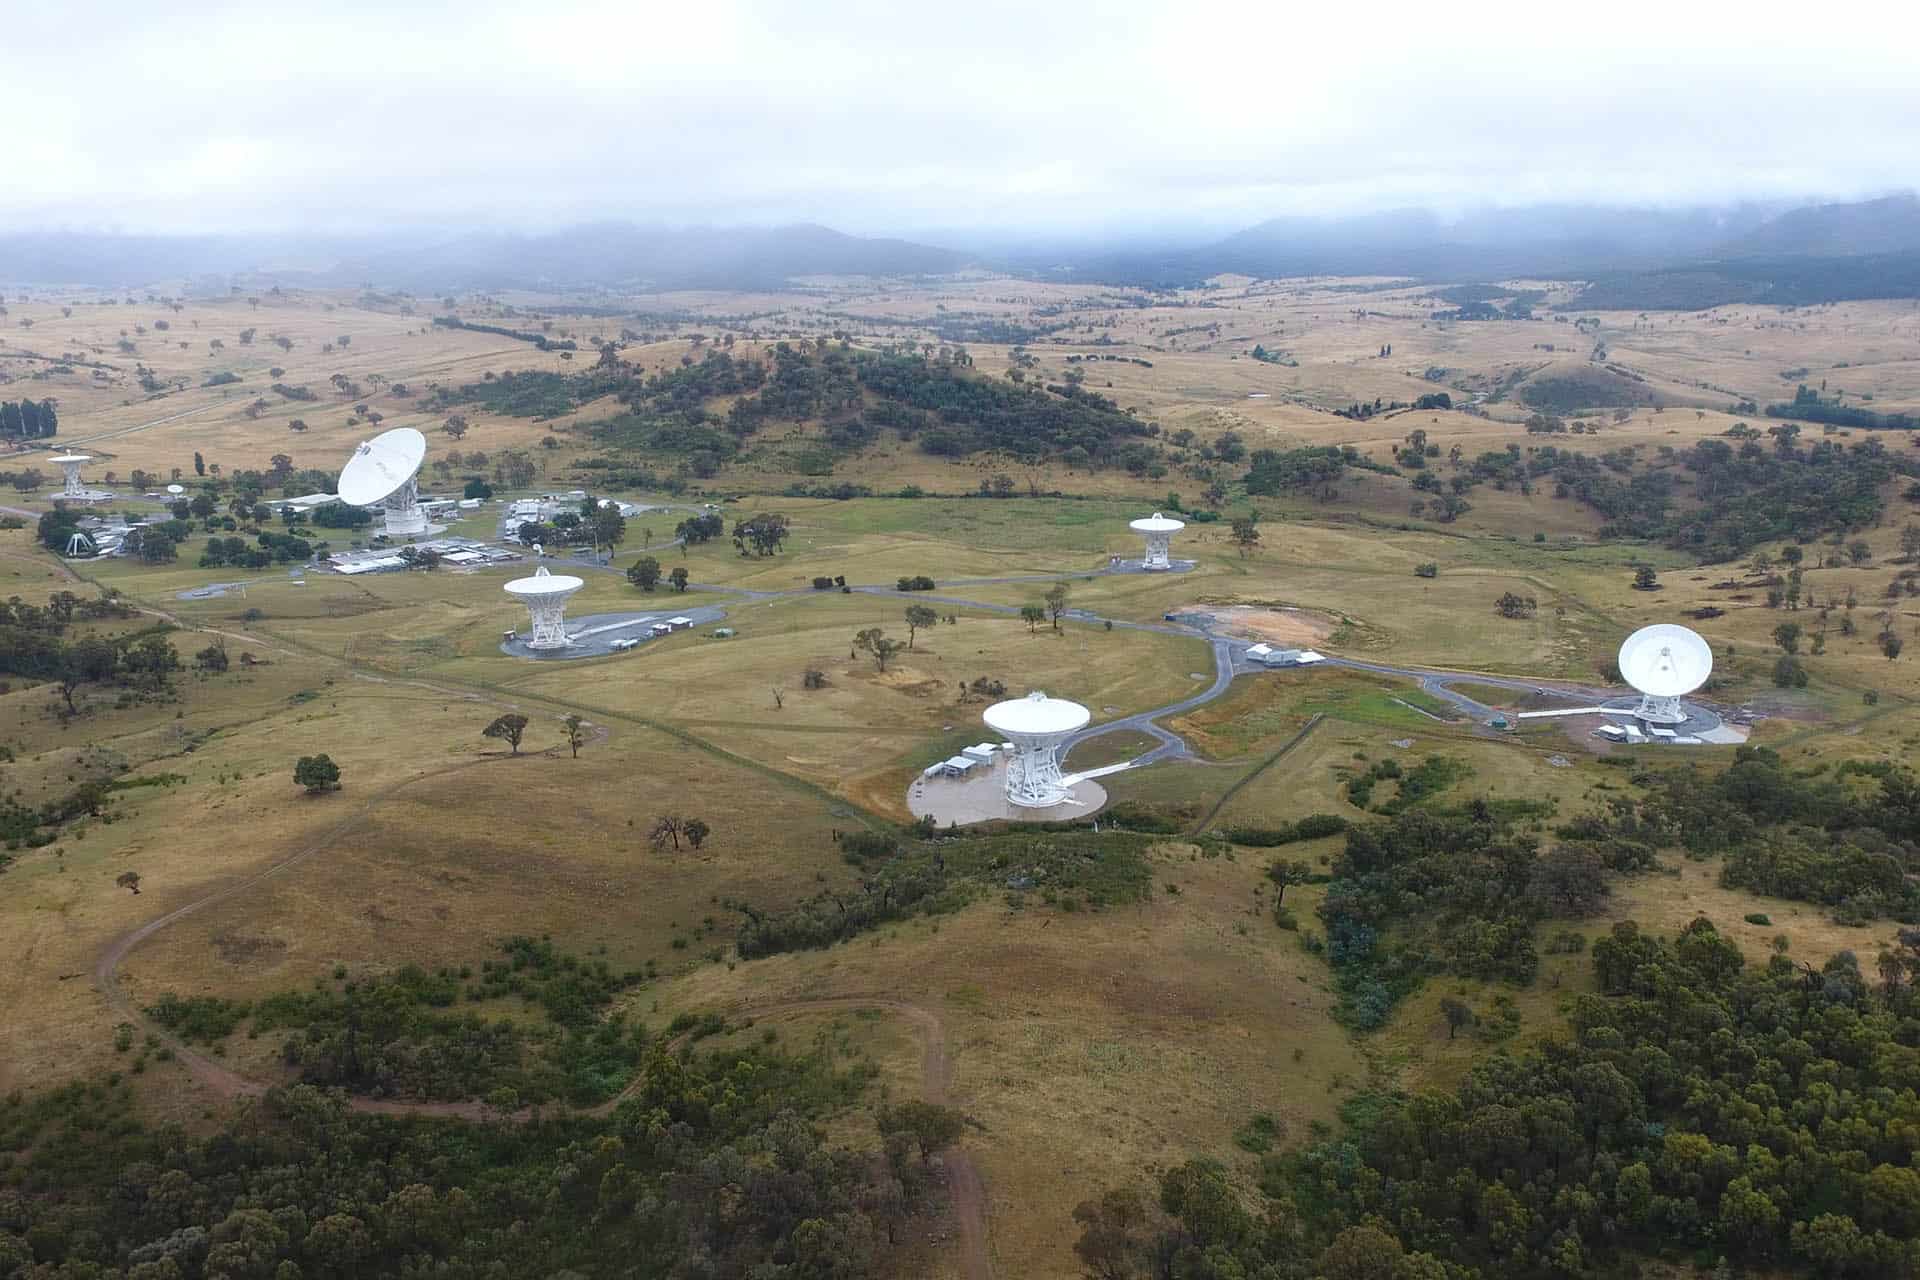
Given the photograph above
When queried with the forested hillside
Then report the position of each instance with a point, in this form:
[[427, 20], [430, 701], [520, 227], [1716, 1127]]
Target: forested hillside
[[710, 409], [1701, 1106]]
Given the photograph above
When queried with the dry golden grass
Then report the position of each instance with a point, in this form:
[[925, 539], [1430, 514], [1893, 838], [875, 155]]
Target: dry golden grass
[[1089, 1046]]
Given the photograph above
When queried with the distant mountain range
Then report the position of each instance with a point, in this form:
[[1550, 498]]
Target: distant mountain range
[[1643, 258], [610, 255]]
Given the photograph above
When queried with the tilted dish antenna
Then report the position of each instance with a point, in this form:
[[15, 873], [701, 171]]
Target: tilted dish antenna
[[381, 473], [1665, 662]]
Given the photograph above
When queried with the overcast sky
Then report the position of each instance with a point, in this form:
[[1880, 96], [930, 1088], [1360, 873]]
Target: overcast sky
[[890, 117]]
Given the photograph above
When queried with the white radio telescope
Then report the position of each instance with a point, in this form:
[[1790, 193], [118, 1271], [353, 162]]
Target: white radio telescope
[[545, 595], [1665, 663], [176, 489], [1036, 725], [74, 489], [381, 473], [1158, 530]]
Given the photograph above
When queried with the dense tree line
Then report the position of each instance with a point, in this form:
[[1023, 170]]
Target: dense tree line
[[909, 875], [1849, 840], [540, 340], [1809, 405], [414, 1034], [1699, 1110], [28, 419], [716, 1166], [1313, 469], [1459, 891]]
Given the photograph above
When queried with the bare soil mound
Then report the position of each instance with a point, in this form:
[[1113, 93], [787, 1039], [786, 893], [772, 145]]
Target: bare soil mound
[[1292, 628]]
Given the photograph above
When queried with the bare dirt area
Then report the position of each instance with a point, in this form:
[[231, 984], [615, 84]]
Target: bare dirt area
[[1275, 625]]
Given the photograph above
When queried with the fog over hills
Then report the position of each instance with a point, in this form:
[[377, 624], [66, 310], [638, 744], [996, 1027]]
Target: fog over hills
[[1738, 252]]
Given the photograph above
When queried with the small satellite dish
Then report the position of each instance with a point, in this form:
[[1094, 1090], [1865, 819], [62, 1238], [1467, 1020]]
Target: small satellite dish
[[176, 489], [1665, 663], [539, 550]]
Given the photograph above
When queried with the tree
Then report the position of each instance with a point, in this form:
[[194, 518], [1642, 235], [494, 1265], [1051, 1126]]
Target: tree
[[1891, 645], [607, 528], [1246, 534], [678, 577], [666, 828], [696, 831], [509, 727], [200, 465], [130, 881], [874, 641], [1787, 636], [455, 426], [1458, 1015], [576, 730], [317, 774], [930, 1126], [1513, 605], [760, 534], [644, 573], [1910, 542], [1287, 873], [1426, 570], [1645, 579], [918, 616], [1056, 603], [1114, 1231], [1033, 615]]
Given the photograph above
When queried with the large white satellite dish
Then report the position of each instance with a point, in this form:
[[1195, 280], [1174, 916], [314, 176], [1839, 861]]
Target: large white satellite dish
[[176, 489], [1036, 725], [1665, 663], [381, 474]]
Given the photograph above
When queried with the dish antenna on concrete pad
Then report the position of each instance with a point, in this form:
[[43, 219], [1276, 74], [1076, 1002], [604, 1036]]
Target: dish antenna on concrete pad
[[1036, 725], [1158, 530], [545, 594], [1665, 663], [381, 473]]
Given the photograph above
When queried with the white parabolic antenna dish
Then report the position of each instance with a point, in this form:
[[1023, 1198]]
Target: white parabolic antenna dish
[[74, 457], [1665, 661], [1036, 715], [380, 467], [176, 489], [542, 583], [1157, 523]]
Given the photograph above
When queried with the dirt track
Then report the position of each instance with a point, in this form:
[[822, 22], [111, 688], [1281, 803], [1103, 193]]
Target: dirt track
[[965, 1190]]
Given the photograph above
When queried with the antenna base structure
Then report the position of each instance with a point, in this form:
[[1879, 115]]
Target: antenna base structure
[[1158, 531], [545, 595], [1036, 725], [73, 488], [1666, 712], [402, 513]]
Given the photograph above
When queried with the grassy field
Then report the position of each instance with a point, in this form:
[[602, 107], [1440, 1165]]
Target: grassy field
[[1086, 1046]]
